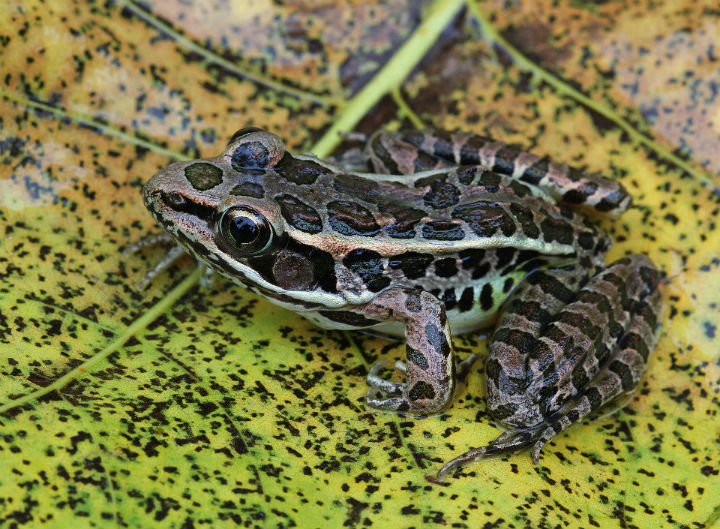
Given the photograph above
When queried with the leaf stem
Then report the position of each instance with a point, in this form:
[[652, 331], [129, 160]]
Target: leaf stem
[[492, 36], [143, 321], [439, 15]]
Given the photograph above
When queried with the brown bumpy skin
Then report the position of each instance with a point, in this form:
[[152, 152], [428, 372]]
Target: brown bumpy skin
[[610, 327], [489, 231]]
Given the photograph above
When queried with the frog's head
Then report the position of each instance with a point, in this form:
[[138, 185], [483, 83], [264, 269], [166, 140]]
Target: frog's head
[[222, 210]]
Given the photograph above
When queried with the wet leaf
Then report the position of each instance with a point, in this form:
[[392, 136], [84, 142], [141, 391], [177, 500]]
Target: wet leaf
[[185, 406]]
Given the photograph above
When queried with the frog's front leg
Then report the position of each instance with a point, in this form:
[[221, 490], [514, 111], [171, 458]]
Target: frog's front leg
[[430, 364]]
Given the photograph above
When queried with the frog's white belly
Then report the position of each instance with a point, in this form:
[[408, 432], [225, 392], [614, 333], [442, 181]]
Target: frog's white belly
[[460, 323]]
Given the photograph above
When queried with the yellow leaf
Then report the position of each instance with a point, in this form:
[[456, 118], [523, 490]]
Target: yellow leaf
[[191, 407]]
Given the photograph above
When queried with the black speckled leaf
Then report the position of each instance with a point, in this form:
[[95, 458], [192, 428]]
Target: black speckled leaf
[[190, 407]]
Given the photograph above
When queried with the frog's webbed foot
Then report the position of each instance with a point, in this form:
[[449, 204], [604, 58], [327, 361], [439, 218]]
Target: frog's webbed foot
[[385, 394], [505, 443], [393, 392]]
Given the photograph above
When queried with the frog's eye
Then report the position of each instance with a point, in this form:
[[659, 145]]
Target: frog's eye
[[253, 148], [243, 132], [246, 230]]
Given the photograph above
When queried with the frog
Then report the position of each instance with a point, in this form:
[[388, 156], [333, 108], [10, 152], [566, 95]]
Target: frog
[[443, 233]]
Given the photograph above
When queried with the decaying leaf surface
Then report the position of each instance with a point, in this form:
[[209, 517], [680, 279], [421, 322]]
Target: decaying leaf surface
[[226, 411]]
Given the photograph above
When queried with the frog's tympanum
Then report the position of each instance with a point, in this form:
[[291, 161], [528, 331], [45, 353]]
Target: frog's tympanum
[[452, 232]]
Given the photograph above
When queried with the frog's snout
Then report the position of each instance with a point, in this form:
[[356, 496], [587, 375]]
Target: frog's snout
[[150, 194], [155, 191]]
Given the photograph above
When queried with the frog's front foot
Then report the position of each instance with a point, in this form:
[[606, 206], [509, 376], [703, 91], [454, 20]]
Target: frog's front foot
[[173, 254], [393, 392]]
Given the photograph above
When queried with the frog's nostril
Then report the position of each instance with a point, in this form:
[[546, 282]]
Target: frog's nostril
[[173, 199]]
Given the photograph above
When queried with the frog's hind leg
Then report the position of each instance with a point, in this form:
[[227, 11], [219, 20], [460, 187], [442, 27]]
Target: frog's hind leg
[[604, 335], [527, 312], [619, 375], [410, 151]]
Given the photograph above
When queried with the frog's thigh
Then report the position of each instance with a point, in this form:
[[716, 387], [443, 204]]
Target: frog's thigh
[[403, 153], [529, 309], [411, 151], [622, 370], [430, 366], [573, 348]]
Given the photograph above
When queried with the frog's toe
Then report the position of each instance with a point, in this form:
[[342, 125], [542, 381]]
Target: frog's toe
[[386, 394], [545, 436], [388, 387], [208, 277], [505, 443], [390, 403]]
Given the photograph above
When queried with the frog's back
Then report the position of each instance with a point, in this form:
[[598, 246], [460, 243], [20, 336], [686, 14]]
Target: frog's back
[[441, 214], [466, 235]]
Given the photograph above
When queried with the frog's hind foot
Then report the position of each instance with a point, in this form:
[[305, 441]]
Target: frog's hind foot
[[506, 442]]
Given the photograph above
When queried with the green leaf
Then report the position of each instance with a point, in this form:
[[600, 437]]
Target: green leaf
[[189, 407]]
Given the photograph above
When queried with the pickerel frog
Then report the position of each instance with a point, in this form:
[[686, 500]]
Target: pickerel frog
[[452, 231]]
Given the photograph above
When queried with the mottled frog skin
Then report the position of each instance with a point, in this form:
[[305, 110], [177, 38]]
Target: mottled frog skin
[[452, 231]]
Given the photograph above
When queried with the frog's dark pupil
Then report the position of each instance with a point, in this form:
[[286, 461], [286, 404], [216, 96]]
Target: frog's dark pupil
[[243, 230], [250, 155]]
